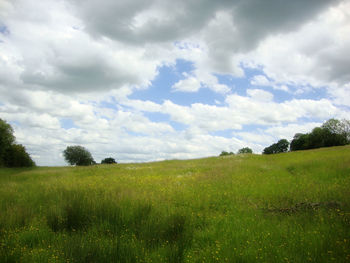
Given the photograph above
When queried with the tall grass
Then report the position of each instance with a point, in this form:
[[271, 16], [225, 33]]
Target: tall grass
[[292, 207]]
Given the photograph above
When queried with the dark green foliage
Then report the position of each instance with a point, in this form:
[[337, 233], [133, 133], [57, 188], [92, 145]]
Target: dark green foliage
[[332, 133], [245, 150], [224, 153], [11, 154], [279, 147], [78, 155], [299, 142], [108, 160], [6, 139], [16, 156]]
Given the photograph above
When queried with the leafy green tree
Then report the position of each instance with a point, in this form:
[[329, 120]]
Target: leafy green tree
[[6, 140], [245, 150], [78, 155], [17, 156], [282, 146], [11, 154], [108, 160], [332, 125], [341, 128], [345, 128], [299, 142], [279, 147]]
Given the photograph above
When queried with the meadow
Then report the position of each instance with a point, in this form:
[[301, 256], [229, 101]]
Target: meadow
[[290, 207]]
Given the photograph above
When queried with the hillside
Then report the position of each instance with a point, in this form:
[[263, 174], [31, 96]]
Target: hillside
[[292, 207]]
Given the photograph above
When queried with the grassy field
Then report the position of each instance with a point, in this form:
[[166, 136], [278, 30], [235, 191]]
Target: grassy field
[[292, 207]]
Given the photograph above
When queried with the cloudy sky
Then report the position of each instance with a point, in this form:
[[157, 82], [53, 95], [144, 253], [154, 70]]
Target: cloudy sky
[[161, 79]]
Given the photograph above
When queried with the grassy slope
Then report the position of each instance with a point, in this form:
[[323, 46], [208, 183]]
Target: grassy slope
[[244, 208]]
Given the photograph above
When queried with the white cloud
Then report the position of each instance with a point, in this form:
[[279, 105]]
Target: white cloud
[[190, 84], [288, 131], [61, 60], [314, 55], [260, 80], [260, 95]]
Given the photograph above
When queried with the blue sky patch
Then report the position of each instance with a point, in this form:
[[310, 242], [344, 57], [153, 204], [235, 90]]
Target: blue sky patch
[[67, 123]]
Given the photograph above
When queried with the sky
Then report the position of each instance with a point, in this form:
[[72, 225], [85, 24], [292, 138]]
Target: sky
[[160, 79]]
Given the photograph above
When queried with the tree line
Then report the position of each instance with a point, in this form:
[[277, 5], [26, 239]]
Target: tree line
[[332, 133]]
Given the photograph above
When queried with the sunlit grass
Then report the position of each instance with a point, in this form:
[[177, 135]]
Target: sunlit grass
[[292, 207]]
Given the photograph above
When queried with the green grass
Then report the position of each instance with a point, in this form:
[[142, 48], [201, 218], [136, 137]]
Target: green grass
[[292, 207]]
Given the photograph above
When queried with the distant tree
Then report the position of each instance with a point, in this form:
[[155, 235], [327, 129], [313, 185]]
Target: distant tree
[[245, 150], [224, 153], [332, 133], [16, 156], [108, 160], [341, 128], [6, 140], [345, 128], [299, 142], [282, 146], [279, 147], [11, 154], [332, 125], [78, 155]]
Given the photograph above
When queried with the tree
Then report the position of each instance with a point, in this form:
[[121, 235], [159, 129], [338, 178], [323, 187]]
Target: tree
[[6, 139], [279, 147], [299, 142], [224, 153], [245, 150], [11, 154], [108, 160], [78, 155], [341, 128], [345, 128], [282, 146], [16, 156]]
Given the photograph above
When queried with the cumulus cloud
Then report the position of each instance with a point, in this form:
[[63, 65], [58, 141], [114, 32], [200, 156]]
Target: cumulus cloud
[[260, 95], [190, 84], [262, 81], [312, 56], [82, 63]]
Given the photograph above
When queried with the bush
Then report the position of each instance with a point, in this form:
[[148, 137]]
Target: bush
[[108, 160], [78, 155], [245, 150]]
